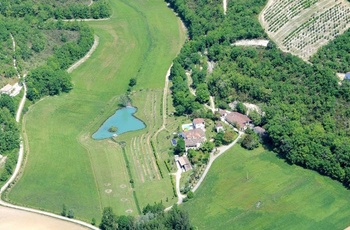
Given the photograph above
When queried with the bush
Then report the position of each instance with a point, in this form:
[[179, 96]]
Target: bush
[[113, 129], [250, 141]]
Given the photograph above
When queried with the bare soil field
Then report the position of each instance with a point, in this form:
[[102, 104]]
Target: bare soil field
[[17, 219], [301, 27]]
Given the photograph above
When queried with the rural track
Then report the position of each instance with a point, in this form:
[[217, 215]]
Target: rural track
[[19, 164], [224, 4], [165, 93], [86, 56]]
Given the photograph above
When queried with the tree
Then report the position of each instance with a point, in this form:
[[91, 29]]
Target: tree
[[7, 102], [113, 129], [256, 117], [125, 223], [202, 93], [177, 219], [157, 208], [218, 138], [180, 146], [228, 137], [250, 141], [241, 108], [132, 82], [109, 219], [207, 147], [64, 210], [93, 221], [70, 214]]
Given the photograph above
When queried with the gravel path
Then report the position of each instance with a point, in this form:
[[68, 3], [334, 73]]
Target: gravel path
[[87, 55], [165, 93], [224, 3], [254, 42], [85, 20]]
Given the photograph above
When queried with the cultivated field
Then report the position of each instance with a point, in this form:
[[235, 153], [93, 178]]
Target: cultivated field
[[301, 27], [257, 190], [64, 165]]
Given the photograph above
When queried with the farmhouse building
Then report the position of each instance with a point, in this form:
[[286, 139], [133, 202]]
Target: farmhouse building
[[239, 120], [6, 89], [198, 123], [223, 113], [194, 138], [184, 163]]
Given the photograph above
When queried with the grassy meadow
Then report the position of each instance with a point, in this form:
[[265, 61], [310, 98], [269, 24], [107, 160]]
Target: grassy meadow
[[257, 190], [63, 164]]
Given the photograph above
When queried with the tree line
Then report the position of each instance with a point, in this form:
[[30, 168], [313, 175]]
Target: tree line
[[9, 135], [153, 217], [52, 78], [44, 10], [307, 111]]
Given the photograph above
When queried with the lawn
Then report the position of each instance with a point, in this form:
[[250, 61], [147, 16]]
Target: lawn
[[64, 165], [256, 190]]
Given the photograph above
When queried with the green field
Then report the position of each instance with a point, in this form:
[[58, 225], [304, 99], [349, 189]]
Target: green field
[[64, 165], [290, 197]]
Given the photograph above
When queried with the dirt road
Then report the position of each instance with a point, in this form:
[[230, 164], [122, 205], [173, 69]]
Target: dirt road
[[16, 219]]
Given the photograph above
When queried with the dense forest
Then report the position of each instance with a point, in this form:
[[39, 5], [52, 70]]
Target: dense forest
[[153, 217], [307, 113], [9, 134], [43, 10]]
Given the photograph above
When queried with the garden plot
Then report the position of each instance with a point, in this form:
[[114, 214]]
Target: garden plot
[[139, 149], [301, 27]]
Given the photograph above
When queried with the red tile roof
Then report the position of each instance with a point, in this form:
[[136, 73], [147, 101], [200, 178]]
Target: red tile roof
[[198, 121], [194, 136], [238, 118]]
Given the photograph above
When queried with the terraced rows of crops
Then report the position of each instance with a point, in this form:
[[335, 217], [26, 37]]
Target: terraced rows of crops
[[302, 27], [282, 11]]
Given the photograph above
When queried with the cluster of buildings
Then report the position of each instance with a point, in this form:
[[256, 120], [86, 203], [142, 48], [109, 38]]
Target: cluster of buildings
[[12, 90], [194, 133]]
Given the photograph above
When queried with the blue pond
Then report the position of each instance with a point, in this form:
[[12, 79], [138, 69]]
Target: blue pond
[[123, 119]]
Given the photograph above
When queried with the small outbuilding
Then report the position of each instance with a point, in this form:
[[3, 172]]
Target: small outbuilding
[[184, 163], [347, 76], [199, 123], [219, 127], [6, 89]]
